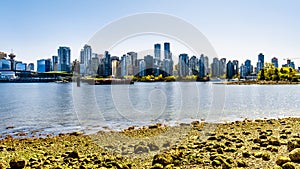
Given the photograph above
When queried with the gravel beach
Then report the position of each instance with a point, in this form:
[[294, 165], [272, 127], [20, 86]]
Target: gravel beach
[[272, 143]]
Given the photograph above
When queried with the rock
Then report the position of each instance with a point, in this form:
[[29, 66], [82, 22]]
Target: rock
[[241, 163], [282, 159], [246, 154], [73, 154], [9, 127], [169, 166], [153, 147], [163, 159], [266, 156], [17, 163], [230, 160], [256, 147], [257, 154], [139, 149], [292, 144], [295, 155], [226, 165], [288, 165], [2, 165], [274, 141], [216, 163], [157, 166]]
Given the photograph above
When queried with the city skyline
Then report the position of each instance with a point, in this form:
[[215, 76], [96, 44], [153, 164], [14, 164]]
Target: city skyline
[[236, 29]]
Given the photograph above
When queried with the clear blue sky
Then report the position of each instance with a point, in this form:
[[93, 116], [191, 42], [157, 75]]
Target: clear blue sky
[[236, 28]]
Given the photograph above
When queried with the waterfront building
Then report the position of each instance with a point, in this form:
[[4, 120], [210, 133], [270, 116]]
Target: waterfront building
[[183, 65], [157, 53], [243, 71], [235, 67], [167, 51], [206, 65], [43, 65], [229, 70], [193, 66], [94, 65], [168, 67], [149, 62], [131, 63], [123, 66], [64, 59], [12, 61], [289, 63], [201, 66], [30, 67], [274, 61], [142, 68], [260, 62], [5, 64], [54, 64], [222, 66], [215, 67], [107, 64], [86, 59], [21, 66], [248, 67], [115, 66]]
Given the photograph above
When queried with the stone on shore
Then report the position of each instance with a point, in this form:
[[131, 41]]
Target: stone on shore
[[295, 155], [282, 159]]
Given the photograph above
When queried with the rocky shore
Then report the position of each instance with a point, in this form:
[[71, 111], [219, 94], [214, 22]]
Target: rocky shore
[[260, 82], [273, 143]]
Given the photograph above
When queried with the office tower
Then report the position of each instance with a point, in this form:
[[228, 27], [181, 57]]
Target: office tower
[[222, 67], [206, 65], [193, 65], [248, 67], [167, 51], [260, 62], [168, 67], [274, 61], [54, 65], [31, 67], [235, 67], [183, 65], [123, 64], [64, 59], [115, 66], [94, 65], [43, 65], [86, 59], [243, 71], [215, 68], [157, 51], [142, 68], [229, 70], [201, 67], [149, 62], [107, 64]]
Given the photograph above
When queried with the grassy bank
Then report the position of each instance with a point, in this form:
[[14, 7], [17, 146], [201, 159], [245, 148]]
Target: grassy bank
[[247, 144]]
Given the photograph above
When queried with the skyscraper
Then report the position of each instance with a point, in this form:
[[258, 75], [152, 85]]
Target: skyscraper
[[260, 62], [149, 64], [123, 64], [248, 67], [54, 63], [193, 65], [222, 66], [107, 64], [31, 67], [64, 59], [235, 67], [229, 70], [215, 68], [167, 51], [274, 61], [157, 51], [142, 67], [115, 66], [183, 65], [201, 66], [86, 59]]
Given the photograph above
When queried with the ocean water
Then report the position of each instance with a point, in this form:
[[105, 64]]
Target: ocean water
[[52, 108]]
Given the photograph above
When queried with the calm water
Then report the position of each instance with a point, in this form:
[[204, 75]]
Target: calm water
[[57, 108]]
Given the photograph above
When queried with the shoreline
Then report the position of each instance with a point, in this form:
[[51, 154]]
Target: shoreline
[[260, 143], [260, 83]]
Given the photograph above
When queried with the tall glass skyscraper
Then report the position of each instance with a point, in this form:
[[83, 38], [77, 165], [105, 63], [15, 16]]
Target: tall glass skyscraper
[[157, 50], [64, 59], [167, 51]]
